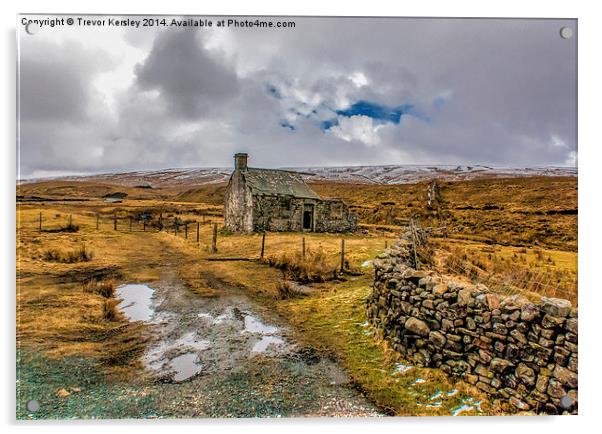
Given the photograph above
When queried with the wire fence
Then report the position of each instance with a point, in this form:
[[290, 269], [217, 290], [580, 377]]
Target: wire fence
[[514, 279]]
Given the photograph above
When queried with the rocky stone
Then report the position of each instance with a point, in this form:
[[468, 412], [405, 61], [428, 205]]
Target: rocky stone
[[525, 374], [417, 326], [485, 356], [528, 312], [566, 377], [542, 383], [413, 275], [556, 306], [518, 337], [550, 321], [555, 389], [440, 289], [465, 297], [437, 339], [447, 325], [571, 325], [518, 403], [493, 301], [500, 365], [572, 363], [471, 379], [523, 352], [513, 303]]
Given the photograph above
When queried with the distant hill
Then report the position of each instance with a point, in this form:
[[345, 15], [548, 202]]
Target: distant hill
[[384, 175]]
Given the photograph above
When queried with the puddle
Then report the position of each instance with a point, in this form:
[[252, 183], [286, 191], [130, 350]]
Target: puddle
[[419, 381], [436, 395], [452, 392], [366, 264], [224, 317], [190, 340], [400, 368], [185, 366], [136, 301], [253, 325], [263, 344], [461, 409]]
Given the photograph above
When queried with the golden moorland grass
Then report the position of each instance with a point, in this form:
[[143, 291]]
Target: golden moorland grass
[[67, 308]]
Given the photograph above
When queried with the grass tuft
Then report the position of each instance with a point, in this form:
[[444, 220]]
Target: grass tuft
[[288, 290], [104, 288], [314, 266], [109, 309], [68, 257]]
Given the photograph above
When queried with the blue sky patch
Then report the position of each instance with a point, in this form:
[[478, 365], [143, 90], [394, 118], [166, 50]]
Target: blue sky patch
[[376, 111], [379, 112]]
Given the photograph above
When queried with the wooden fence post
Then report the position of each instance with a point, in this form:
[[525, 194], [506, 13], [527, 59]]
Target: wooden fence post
[[40, 221], [214, 240], [160, 221], [386, 244], [186, 230], [342, 255], [97, 221], [303, 248], [262, 244], [70, 220], [115, 221], [144, 225], [198, 236]]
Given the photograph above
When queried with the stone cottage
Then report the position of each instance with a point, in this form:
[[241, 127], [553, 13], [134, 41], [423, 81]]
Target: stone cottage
[[259, 200]]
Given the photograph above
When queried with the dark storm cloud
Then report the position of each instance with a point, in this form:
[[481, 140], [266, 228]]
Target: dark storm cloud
[[473, 91], [189, 79]]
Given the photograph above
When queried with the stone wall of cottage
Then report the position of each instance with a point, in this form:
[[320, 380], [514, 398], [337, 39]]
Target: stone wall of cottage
[[285, 213], [511, 348]]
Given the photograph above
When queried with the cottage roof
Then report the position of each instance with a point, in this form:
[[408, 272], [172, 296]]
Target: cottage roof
[[277, 182]]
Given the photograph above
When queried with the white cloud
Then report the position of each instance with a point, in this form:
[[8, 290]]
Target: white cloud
[[361, 128], [192, 101]]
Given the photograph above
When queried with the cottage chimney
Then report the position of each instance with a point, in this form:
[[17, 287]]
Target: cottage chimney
[[240, 161]]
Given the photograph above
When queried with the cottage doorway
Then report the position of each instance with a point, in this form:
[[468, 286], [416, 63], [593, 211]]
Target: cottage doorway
[[308, 217]]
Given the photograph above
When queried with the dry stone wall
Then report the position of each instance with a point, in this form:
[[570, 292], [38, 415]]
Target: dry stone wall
[[513, 349]]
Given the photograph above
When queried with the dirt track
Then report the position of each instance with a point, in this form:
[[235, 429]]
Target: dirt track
[[227, 356]]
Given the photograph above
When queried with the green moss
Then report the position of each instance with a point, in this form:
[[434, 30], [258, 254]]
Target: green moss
[[334, 320]]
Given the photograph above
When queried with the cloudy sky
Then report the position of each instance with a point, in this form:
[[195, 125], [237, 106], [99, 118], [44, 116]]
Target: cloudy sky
[[331, 91]]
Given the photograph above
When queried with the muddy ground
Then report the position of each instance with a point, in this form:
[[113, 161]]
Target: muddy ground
[[228, 356]]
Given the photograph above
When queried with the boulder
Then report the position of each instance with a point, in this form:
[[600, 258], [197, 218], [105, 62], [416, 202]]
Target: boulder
[[493, 301], [557, 307], [464, 297], [512, 303], [566, 377], [417, 326], [525, 374], [501, 365], [437, 339], [528, 312]]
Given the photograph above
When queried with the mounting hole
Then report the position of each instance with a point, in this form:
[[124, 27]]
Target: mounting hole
[[33, 405], [566, 402], [32, 28], [566, 33]]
